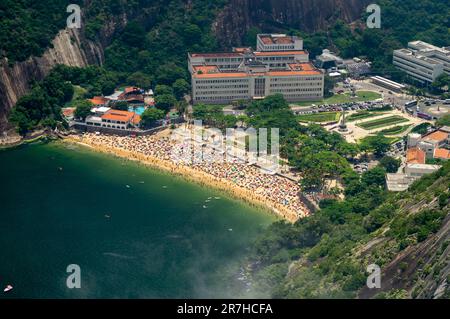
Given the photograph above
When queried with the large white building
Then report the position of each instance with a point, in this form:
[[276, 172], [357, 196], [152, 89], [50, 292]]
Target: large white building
[[245, 74], [423, 61]]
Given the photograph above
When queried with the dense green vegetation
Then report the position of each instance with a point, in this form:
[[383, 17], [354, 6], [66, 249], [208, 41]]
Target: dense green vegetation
[[318, 154], [27, 27], [443, 121], [42, 106], [361, 96], [385, 121], [395, 130], [140, 55], [319, 117], [402, 21], [360, 115], [326, 254], [421, 128]]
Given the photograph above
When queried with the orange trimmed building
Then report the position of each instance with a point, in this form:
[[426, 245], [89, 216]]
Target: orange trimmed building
[[415, 156], [442, 153], [244, 74], [115, 119]]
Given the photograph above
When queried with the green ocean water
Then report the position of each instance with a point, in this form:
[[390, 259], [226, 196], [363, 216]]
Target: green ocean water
[[134, 232]]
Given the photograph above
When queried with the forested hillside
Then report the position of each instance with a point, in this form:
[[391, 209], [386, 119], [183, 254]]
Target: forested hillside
[[326, 255], [152, 48]]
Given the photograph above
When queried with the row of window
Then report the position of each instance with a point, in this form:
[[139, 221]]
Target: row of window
[[221, 98], [107, 125], [296, 84], [415, 71], [221, 92], [223, 60], [222, 81], [280, 47], [296, 90], [296, 79], [210, 87]]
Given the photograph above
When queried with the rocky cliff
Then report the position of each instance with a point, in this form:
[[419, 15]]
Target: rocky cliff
[[68, 47], [275, 15]]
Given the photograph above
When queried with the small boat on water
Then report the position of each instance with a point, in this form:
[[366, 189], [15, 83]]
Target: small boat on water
[[8, 288], [128, 186]]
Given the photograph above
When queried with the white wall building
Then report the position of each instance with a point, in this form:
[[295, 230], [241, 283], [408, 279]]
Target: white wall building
[[244, 74], [423, 61]]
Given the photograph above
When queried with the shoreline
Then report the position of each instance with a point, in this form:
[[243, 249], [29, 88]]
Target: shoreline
[[192, 175]]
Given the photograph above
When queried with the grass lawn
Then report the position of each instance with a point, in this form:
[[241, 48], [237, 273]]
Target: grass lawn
[[361, 96], [385, 121], [391, 140], [362, 115], [395, 130], [78, 93], [319, 117]]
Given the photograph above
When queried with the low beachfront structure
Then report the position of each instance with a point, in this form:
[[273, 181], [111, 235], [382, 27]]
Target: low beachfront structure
[[115, 119]]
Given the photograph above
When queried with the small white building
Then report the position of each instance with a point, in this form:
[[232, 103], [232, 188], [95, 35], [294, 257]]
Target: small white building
[[418, 170], [413, 139]]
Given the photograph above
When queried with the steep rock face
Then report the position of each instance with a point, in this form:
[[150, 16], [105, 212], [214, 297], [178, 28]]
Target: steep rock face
[[272, 15], [68, 47]]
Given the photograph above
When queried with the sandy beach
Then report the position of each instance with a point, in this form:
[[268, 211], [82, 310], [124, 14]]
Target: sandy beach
[[274, 193]]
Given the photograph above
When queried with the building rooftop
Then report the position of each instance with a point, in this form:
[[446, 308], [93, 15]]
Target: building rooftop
[[99, 100], [217, 55], [300, 69], [102, 109], [415, 156], [436, 136], [398, 182], [424, 166], [117, 115], [277, 38], [442, 153]]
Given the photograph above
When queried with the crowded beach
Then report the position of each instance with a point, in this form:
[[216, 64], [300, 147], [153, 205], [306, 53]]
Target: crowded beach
[[246, 182]]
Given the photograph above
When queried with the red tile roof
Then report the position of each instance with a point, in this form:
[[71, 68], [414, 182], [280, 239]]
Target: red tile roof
[[99, 100], [437, 136], [117, 115], [415, 156], [442, 153]]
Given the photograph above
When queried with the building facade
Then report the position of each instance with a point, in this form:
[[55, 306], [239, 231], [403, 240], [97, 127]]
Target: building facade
[[278, 42], [423, 61], [245, 74]]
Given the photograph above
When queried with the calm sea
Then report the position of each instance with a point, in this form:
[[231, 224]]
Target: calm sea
[[133, 231]]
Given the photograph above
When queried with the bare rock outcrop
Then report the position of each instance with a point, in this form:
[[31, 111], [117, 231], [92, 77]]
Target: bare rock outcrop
[[273, 15]]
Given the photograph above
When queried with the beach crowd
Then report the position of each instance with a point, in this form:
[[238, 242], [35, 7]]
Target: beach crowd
[[246, 181]]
